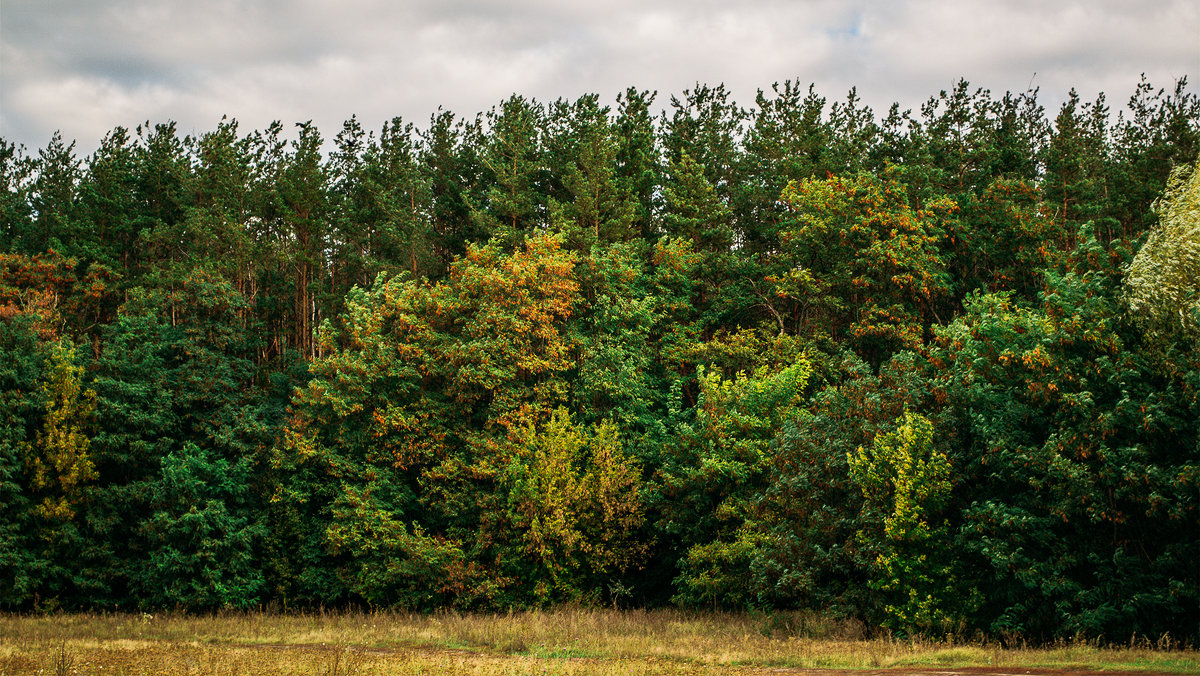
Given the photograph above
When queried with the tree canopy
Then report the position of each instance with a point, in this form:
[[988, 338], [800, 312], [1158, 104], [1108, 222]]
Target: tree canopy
[[938, 370]]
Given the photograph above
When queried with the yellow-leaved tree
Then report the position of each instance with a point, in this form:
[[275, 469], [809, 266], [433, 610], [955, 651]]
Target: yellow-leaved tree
[[905, 481], [1163, 281], [576, 499], [58, 458]]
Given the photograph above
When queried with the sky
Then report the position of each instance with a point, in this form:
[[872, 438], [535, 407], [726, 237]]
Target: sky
[[84, 67]]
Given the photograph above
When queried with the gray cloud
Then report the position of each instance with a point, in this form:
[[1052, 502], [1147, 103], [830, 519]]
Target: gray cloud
[[84, 66]]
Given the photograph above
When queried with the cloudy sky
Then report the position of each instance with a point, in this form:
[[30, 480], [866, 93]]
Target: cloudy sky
[[85, 66]]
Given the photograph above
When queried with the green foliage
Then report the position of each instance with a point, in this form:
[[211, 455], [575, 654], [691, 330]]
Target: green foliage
[[1159, 132], [863, 262], [173, 514], [718, 468], [22, 558], [792, 356], [715, 573], [616, 375], [16, 211], [809, 516], [59, 294], [1080, 453], [59, 468], [1001, 240], [511, 154], [583, 147], [397, 565], [200, 536]]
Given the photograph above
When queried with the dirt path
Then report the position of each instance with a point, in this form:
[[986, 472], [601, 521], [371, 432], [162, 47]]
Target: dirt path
[[429, 651], [962, 671]]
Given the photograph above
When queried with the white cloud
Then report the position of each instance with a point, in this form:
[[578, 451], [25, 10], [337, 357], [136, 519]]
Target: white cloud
[[85, 67]]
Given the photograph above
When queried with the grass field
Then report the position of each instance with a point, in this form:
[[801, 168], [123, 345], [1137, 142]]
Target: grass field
[[564, 641]]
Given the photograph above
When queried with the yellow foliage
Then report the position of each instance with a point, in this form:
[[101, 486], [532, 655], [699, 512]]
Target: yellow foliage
[[577, 498], [58, 459]]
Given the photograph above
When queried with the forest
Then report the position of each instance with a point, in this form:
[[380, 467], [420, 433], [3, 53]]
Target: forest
[[938, 370]]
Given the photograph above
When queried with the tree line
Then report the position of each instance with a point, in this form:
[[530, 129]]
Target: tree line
[[935, 369]]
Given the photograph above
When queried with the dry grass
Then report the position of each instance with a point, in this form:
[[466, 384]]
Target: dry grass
[[564, 641]]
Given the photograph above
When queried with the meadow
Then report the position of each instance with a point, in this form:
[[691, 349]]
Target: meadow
[[560, 641]]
